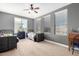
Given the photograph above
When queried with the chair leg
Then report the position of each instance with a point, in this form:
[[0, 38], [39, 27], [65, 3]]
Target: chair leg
[[69, 49], [72, 50], [69, 45]]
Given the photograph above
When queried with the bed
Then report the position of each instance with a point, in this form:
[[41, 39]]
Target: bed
[[31, 35], [36, 37]]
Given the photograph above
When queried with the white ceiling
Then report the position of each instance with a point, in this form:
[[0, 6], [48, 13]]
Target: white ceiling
[[18, 8]]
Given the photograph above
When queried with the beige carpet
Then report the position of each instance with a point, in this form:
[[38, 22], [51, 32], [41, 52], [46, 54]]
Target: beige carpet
[[28, 47]]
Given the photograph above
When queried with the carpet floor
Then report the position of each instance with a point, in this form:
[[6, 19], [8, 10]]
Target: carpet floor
[[26, 47]]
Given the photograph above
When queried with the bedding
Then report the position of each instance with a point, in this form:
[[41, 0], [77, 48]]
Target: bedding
[[31, 35]]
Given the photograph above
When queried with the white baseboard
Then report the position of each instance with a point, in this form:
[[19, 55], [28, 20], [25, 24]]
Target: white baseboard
[[57, 43], [60, 44]]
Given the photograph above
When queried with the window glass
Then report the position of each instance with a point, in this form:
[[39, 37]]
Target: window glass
[[61, 22], [20, 24]]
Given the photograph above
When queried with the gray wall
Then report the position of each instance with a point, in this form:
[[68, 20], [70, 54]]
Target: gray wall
[[38, 25], [73, 23], [7, 21], [31, 24]]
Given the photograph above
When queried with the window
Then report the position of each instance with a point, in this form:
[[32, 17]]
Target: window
[[17, 24], [24, 24], [61, 22], [20, 24], [47, 23]]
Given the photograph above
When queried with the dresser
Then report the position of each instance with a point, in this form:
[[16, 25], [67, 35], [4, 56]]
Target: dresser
[[72, 37]]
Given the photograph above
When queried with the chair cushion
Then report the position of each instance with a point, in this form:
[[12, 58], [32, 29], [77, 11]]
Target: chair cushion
[[76, 44]]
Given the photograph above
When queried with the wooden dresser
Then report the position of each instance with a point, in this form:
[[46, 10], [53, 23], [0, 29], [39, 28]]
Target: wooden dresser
[[72, 37]]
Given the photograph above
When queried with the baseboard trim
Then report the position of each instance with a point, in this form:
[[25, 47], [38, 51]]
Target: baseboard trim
[[60, 44]]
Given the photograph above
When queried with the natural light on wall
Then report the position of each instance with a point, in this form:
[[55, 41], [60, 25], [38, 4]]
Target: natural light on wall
[[61, 22]]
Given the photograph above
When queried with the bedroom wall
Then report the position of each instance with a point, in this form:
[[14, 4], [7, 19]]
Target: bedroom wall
[[38, 25], [31, 24], [73, 22], [7, 21]]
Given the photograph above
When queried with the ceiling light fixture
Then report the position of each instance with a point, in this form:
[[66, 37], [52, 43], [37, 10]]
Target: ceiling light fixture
[[32, 8]]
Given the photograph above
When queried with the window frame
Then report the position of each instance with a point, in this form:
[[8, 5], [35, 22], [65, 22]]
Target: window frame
[[21, 25], [65, 24]]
